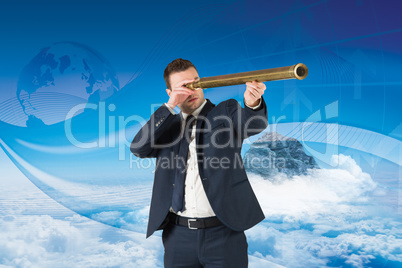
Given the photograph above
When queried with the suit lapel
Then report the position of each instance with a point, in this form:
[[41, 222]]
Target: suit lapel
[[200, 123]]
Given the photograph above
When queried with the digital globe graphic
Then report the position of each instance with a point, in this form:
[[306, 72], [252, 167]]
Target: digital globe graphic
[[61, 76], [67, 131]]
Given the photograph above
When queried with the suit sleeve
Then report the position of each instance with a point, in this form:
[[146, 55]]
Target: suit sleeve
[[144, 143], [248, 121]]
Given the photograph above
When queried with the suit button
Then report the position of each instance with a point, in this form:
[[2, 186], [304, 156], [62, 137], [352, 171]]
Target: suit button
[[204, 179]]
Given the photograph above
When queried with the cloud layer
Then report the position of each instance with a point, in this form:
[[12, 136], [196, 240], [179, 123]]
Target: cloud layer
[[326, 218], [42, 241], [321, 191]]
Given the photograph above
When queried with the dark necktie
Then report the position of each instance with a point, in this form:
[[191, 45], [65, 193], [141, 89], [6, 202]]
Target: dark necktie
[[181, 167]]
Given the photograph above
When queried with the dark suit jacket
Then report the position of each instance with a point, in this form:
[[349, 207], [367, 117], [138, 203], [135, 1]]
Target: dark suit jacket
[[220, 133]]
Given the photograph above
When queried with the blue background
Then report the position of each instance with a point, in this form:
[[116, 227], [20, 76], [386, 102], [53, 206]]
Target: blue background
[[353, 52]]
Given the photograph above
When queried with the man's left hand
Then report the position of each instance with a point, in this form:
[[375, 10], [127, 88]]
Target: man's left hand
[[253, 93]]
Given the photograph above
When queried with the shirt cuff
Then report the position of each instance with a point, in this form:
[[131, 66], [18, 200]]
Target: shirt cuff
[[254, 107], [170, 109]]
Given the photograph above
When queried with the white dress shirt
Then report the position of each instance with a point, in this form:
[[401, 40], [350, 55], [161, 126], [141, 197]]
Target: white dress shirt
[[196, 204]]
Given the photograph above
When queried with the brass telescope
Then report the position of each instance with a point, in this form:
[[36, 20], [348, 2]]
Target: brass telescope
[[298, 71]]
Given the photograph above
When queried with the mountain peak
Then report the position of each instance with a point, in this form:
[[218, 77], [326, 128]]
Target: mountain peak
[[274, 153], [274, 136]]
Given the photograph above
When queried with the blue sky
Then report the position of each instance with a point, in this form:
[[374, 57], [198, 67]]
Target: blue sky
[[349, 46], [353, 52]]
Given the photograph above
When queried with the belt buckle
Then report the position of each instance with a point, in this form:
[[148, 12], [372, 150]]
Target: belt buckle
[[189, 224]]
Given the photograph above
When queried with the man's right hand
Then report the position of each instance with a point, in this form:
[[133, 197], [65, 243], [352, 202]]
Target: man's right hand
[[179, 93]]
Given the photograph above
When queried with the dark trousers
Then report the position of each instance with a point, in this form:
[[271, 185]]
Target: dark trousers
[[209, 248]]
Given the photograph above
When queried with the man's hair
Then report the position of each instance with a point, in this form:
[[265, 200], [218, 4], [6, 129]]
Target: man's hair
[[176, 66]]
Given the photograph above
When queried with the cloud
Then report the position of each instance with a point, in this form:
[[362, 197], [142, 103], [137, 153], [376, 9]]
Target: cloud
[[258, 262], [135, 220], [306, 248], [42, 241], [324, 219], [317, 192], [108, 216], [359, 260]]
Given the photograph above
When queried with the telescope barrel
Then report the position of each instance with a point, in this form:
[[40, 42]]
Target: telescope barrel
[[297, 71]]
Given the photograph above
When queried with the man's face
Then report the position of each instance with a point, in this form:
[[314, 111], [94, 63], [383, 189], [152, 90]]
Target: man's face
[[194, 100]]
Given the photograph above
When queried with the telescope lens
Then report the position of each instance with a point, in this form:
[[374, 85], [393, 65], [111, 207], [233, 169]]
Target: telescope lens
[[300, 71]]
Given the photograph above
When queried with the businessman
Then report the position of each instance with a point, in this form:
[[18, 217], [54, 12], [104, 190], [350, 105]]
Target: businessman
[[201, 196]]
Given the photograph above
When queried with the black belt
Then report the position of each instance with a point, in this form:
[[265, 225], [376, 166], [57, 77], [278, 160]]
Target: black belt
[[195, 223]]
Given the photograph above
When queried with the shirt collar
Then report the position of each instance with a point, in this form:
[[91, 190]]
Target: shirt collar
[[197, 111]]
